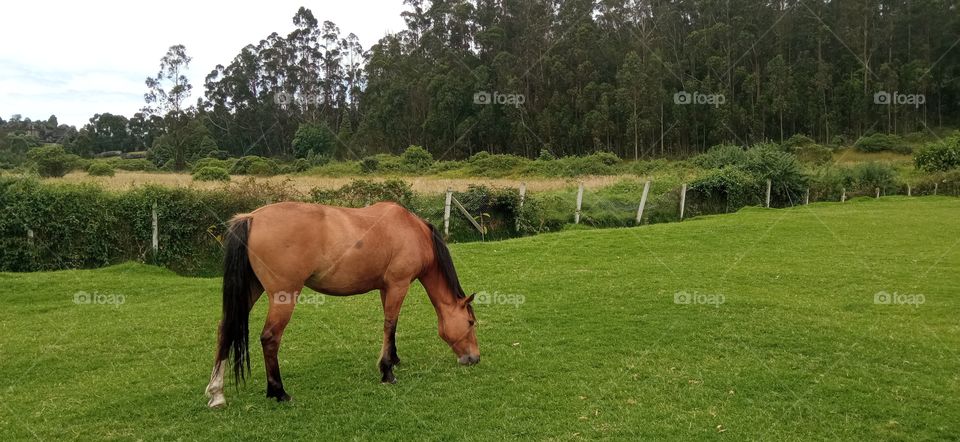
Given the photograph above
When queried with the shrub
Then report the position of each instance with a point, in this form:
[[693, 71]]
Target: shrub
[[795, 142], [869, 176], [939, 157], [416, 159], [814, 154], [51, 160], [360, 193], [369, 164], [724, 190], [494, 166], [720, 156], [211, 173], [254, 165], [186, 142], [210, 162], [879, 142], [546, 155], [313, 139], [100, 168]]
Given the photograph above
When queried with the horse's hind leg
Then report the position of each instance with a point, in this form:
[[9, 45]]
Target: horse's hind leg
[[392, 299], [215, 388], [281, 309]]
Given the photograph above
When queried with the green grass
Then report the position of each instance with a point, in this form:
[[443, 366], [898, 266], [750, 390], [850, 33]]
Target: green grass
[[798, 350]]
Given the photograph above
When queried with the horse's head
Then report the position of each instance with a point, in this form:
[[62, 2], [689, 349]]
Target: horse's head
[[458, 327]]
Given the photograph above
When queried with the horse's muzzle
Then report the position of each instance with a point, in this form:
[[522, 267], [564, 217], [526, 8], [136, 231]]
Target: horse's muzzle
[[469, 359]]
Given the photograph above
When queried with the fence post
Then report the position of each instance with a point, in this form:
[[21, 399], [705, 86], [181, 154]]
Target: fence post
[[768, 193], [806, 197], [878, 192], [683, 199], [935, 186], [843, 196], [576, 215], [155, 243], [643, 201], [30, 236], [523, 194], [446, 212], [909, 190]]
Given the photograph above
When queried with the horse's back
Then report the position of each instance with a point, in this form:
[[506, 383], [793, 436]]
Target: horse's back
[[337, 250]]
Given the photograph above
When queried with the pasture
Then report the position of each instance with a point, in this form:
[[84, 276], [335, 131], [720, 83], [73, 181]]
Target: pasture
[[828, 321]]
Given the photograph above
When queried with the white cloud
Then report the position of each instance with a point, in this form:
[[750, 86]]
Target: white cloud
[[74, 59]]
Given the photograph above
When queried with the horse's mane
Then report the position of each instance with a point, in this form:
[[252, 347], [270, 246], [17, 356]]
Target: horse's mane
[[445, 262]]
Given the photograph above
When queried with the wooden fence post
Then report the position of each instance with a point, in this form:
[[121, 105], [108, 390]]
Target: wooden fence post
[[576, 215], [30, 237], [878, 192], [806, 197], [155, 243], [768, 193], [523, 194], [683, 199], [643, 201], [935, 187], [843, 196], [909, 190], [446, 212]]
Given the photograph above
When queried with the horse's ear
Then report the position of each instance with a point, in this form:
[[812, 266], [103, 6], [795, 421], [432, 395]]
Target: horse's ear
[[470, 298]]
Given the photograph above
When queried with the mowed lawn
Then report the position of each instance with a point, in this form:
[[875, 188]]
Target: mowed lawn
[[798, 349]]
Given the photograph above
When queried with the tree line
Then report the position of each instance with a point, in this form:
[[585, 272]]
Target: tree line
[[638, 78]]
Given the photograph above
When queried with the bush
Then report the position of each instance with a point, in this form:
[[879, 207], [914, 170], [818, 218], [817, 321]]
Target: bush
[[360, 193], [721, 156], [879, 142], [211, 162], [795, 142], [416, 159], [724, 190], [546, 155], [313, 139], [939, 157], [100, 168], [814, 154], [211, 173], [494, 166], [369, 164], [51, 161], [869, 176], [254, 165]]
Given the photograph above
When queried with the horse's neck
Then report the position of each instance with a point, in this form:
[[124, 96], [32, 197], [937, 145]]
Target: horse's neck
[[438, 289]]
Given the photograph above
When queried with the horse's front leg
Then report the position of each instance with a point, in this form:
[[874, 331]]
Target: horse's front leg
[[391, 298], [281, 309]]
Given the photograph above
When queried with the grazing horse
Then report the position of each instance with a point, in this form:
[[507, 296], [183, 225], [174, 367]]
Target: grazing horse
[[337, 251]]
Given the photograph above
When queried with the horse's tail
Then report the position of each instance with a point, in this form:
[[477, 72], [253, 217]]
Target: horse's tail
[[445, 262], [238, 278]]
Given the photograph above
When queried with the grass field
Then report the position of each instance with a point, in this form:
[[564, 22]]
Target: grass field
[[790, 344]]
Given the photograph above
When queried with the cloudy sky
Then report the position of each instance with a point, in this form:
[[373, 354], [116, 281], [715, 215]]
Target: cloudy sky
[[77, 58]]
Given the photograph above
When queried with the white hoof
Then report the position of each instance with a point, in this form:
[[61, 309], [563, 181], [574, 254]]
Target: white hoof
[[217, 401]]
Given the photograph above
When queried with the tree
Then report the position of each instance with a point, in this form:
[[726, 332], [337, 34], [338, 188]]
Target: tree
[[187, 140], [313, 139], [168, 91], [51, 161]]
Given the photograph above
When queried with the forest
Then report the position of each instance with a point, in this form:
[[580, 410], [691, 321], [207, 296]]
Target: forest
[[636, 78]]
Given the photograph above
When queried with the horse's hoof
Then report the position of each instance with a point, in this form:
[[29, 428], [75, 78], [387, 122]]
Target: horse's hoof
[[284, 398], [217, 401], [389, 379]]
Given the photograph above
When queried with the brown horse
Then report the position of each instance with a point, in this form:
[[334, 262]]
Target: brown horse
[[337, 251]]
